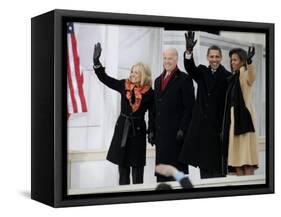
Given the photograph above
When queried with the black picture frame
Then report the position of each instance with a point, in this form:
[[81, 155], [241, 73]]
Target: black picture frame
[[48, 108]]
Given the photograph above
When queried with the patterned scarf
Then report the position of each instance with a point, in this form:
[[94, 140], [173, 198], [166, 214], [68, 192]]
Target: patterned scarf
[[134, 94]]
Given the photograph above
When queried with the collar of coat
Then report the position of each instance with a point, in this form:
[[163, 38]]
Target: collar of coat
[[222, 73], [219, 69], [165, 81]]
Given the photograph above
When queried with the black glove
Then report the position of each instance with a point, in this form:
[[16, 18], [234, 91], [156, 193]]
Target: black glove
[[189, 41], [96, 55], [251, 53], [180, 136], [150, 138]]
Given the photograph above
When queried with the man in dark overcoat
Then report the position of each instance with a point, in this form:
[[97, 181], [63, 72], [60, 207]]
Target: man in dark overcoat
[[202, 146], [174, 99]]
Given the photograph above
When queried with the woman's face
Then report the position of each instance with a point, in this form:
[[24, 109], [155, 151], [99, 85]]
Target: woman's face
[[235, 62], [135, 76]]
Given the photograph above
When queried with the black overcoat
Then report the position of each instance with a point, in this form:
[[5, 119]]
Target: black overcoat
[[133, 151], [173, 110], [202, 146]]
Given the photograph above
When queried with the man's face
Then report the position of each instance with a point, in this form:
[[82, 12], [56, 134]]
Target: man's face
[[214, 58], [170, 60]]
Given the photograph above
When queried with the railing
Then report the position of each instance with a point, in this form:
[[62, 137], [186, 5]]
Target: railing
[[202, 183], [100, 154]]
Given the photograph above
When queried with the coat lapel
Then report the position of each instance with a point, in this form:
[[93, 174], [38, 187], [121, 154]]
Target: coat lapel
[[157, 87], [218, 78], [208, 79], [170, 83]]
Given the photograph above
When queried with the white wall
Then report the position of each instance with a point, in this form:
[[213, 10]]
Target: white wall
[[122, 46], [257, 38]]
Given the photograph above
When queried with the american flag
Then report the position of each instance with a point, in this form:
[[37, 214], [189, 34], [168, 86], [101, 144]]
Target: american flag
[[76, 102]]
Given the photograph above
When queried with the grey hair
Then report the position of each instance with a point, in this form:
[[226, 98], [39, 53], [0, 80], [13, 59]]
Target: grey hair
[[172, 49]]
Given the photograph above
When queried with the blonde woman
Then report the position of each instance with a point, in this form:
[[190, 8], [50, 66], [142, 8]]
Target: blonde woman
[[128, 145], [240, 116]]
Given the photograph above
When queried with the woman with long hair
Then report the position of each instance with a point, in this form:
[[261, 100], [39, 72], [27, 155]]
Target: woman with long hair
[[128, 145], [240, 117]]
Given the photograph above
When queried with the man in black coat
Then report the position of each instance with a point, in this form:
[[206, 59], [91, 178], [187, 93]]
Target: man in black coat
[[202, 146], [174, 99]]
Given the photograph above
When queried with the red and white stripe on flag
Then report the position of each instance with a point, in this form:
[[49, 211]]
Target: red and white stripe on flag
[[76, 102]]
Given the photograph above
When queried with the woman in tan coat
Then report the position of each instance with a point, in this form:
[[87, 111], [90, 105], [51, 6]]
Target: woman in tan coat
[[240, 116]]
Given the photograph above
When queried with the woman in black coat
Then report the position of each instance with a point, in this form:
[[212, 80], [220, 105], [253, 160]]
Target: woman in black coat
[[128, 145]]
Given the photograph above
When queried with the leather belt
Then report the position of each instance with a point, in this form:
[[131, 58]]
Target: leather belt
[[129, 122]]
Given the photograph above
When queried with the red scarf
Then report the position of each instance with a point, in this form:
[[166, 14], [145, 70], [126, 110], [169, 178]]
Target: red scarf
[[165, 81], [138, 91]]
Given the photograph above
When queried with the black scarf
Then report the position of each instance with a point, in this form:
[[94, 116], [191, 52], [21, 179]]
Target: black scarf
[[242, 118]]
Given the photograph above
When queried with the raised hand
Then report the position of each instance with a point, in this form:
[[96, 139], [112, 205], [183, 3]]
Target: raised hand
[[189, 41], [96, 54], [251, 53]]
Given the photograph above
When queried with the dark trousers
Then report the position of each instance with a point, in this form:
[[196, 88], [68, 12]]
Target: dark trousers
[[222, 172], [124, 175], [205, 174]]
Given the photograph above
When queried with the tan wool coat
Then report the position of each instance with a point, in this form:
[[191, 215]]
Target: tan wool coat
[[243, 148]]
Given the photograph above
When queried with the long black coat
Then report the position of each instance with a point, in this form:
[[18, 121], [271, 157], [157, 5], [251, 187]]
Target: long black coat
[[202, 146], [173, 108], [134, 151]]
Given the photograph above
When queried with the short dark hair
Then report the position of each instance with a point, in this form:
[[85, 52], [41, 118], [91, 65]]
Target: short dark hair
[[214, 47], [241, 53]]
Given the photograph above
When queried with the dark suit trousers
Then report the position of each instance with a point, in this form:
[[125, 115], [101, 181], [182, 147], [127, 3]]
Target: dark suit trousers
[[124, 175]]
